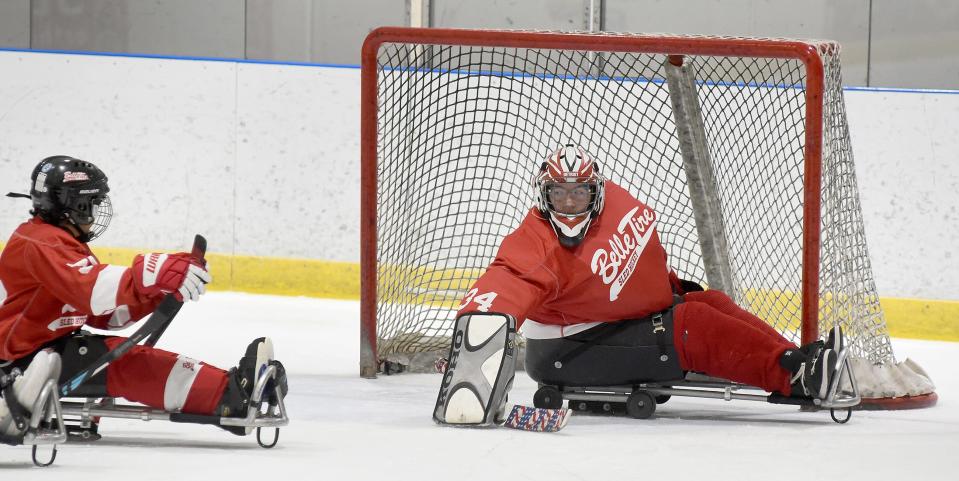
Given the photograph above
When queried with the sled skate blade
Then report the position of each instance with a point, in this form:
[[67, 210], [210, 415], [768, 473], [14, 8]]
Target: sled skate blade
[[46, 423], [262, 414], [843, 391]]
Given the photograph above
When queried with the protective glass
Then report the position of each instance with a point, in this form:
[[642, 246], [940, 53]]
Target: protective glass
[[570, 198]]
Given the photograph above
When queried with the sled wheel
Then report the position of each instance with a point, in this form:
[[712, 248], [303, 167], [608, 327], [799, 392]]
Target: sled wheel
[[640, 405], [548, 397], [276, 438], [662, 398], [53, 457], [832, 414]]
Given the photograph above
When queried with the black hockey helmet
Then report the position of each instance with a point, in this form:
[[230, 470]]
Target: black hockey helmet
[[67, 189]]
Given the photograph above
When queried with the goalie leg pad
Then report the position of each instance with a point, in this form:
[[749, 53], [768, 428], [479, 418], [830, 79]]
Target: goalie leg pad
[[482, 364]]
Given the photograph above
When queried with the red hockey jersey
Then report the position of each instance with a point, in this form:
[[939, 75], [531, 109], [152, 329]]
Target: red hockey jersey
[[619, 271], [51, 284]]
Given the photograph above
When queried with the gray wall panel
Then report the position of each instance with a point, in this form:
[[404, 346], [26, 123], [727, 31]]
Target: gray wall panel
[[341, 27], [279, 29], [511, 14], [213, 28], [846, 21], [317, 30], [15, 23], [915, 44]]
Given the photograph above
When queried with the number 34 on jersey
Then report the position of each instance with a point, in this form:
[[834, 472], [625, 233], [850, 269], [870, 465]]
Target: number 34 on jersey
[[483, 301]]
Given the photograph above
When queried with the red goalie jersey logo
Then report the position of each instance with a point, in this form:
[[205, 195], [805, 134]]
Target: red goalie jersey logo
[[618, 263]]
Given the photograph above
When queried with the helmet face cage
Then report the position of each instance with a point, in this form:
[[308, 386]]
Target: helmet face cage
[[95, 211], [72, 190], [570, 164], [549, 187]]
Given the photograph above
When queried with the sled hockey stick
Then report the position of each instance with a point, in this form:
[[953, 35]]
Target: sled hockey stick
[[157, 323]]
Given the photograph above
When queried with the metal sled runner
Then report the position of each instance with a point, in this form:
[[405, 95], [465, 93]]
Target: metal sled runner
[[45, 426], [639, 400]]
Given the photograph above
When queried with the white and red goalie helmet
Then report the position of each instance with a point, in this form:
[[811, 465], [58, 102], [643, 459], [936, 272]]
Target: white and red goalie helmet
[[569, 192]]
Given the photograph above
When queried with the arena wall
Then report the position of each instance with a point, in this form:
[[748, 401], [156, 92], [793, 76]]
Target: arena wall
[[263, 159]]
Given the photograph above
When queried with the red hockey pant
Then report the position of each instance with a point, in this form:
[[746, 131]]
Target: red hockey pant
[[716, 337], [165, 380]]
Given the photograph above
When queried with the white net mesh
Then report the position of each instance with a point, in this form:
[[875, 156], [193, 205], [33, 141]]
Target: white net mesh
[[461, 130]]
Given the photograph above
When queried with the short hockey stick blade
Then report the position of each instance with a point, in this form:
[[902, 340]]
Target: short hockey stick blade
[[537, 419]]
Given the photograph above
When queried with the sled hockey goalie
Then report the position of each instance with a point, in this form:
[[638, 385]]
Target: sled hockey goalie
[[52, 286], [606, 319]]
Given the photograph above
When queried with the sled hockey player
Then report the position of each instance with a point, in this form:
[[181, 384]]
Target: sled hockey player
[[51, 286], [586, 264]]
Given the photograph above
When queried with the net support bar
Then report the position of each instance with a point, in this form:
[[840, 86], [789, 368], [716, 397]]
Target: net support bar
[[706, 203]]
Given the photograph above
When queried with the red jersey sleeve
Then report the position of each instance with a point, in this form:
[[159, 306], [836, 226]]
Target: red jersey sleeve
[[517, 282], [103, 291], [675, 282]]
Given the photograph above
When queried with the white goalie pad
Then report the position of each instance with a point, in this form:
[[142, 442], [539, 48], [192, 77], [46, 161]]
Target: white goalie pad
[[482, 364]]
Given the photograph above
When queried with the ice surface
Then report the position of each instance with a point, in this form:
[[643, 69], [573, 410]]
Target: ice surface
[[343, 427]]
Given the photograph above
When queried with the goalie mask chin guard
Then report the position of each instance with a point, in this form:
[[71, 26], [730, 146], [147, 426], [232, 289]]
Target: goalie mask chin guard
[[570, 190], [66, 190]]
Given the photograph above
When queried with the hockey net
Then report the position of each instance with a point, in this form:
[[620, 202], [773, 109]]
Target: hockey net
[[740, 145]]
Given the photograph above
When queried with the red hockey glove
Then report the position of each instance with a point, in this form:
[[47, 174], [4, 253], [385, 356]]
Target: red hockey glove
[[180, 274]]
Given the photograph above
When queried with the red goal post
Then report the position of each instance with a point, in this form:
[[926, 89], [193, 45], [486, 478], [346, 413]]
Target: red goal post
[[453, 120]]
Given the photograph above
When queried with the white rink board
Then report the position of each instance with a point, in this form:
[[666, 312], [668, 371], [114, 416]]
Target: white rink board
[[343, 427], [264, 159]]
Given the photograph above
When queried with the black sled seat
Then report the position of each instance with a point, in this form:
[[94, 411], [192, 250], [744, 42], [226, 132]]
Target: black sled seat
[[614, 354], [631, 366], [602, 369]]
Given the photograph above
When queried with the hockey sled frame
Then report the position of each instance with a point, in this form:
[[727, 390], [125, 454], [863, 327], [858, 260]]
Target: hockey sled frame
[[641, 399], [273, 416], [46, 426]]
